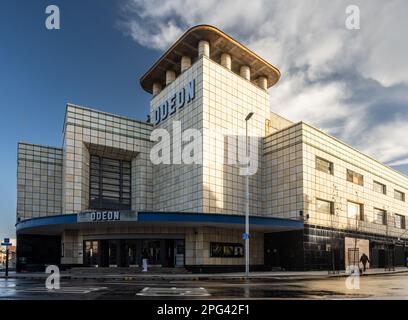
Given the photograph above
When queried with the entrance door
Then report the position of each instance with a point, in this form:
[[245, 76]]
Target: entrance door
[[271, 251], [168, 258], [151, 251], [272, 257], [131, 254], [91, 254], [178, 253], [381, 258], [104, 253], [353, 256], [113, 253]]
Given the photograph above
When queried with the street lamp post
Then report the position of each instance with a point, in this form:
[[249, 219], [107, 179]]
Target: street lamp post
[[7, 262], [247, 199]]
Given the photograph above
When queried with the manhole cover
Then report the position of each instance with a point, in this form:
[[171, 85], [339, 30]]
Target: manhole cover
[[173, 291]]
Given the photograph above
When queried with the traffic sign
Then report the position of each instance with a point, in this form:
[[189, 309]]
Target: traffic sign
[[6, 240], [245, 236], [6, 244]]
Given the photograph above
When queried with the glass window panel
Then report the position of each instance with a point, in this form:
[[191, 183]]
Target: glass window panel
[[398, 221], [111, 169], [111, 194], [95, 185], [111, 162], [112, 188], [380, 216], [379, 187], [111, 181], [355, 177], [95, 191], [324, 165], [111, 175], [399, 195], [324, 206], [126, 165], [115, 190], [353, 210]]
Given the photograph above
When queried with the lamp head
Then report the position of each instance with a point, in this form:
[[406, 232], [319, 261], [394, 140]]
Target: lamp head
[[249, 116]]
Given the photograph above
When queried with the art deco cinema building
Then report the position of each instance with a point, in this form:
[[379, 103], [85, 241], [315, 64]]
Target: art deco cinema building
[[100, 201]]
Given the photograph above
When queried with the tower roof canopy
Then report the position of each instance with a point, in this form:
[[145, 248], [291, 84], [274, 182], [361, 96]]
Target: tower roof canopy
[[187, 45]]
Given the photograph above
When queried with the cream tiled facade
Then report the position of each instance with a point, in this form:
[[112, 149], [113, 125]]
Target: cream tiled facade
[[39, 181], [336, 188], [197, 242], [295, 183], [188, 209], [178, 187], [88, 132], [222, 101]]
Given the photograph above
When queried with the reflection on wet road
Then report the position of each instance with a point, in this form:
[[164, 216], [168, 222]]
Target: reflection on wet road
[[372, 287]]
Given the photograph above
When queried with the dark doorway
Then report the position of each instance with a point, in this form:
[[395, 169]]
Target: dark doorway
[[169, 253], [104, 253], [272, 257], [283, 250], [399, 256], [381, 258], [335, 261], [34, 252]]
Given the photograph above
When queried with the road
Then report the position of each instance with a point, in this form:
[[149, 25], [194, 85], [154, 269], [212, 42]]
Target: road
[[393, 286]]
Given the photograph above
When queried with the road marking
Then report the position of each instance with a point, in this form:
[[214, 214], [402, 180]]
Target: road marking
[[173, 291], [62, 290]]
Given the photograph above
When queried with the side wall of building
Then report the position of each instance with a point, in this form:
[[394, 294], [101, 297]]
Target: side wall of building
[[39, 181], [335, 187], [179, 186], [283, 191], [277, 122], [227, 100]]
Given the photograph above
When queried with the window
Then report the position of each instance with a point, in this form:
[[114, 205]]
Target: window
[[324, 206], [324, 165], [226, 250], [355, 177], [380, 216], [399, 195], [379, 187], [109, 184], [399, 221], [355, 210]]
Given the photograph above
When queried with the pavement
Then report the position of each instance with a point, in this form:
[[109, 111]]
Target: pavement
[[278, 275], [392, 286]]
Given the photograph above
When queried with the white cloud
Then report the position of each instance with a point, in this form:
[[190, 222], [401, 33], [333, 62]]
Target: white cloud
[[329, 74], [388, 141], [399, 162], [317, 103]]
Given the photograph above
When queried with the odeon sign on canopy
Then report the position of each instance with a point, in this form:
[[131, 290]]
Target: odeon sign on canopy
[[175, 102]]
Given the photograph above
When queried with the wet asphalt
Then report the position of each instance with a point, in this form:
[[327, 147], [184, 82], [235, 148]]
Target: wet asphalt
[[392, 286]]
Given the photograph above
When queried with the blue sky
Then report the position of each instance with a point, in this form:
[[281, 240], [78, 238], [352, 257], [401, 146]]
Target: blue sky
[[89, 61], [352, 84]]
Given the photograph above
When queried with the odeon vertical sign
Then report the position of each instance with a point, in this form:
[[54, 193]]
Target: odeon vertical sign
[[175, 102]]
